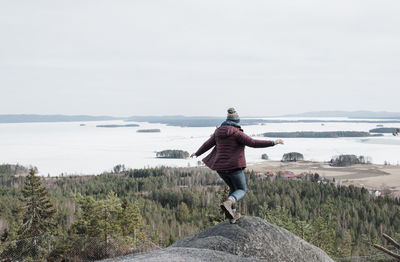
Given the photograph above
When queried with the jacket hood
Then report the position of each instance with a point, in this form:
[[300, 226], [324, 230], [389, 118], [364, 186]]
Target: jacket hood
[[225, 131]]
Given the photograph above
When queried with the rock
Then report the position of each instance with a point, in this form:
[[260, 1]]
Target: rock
[[184, 254], [250, 239], [253, 236]]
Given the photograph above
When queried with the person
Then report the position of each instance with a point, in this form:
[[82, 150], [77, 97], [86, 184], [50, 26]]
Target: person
[[228, 158]]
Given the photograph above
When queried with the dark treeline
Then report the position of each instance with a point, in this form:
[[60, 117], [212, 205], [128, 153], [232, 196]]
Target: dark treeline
[[187, 121], [348, 160], [9, 170], [388, 130], [204, 121], [312, 134], [175, 203]]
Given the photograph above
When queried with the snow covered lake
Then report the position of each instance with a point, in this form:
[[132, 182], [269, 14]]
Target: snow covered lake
[[83, 148]]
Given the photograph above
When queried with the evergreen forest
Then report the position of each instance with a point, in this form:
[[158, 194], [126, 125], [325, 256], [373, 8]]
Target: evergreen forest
[[85, 218]]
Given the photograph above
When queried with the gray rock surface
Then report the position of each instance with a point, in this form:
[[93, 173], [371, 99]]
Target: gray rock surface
[[250, 239], [184, 254]]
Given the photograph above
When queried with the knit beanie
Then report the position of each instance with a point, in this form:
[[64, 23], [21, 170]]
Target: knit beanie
[[233, 115]]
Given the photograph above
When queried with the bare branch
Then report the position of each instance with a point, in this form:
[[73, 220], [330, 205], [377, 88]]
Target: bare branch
[[391, 240], [387, 251]]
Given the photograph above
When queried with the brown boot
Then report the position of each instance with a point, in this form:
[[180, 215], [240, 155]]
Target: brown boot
[[235, 217], [227, 208]]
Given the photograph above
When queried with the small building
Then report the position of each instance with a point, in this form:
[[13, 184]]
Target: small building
[[375, 192], [301, 176], [289, 174], [266, 175], [395, 195]]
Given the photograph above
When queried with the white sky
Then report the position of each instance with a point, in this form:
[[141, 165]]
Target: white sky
[[147, 57]]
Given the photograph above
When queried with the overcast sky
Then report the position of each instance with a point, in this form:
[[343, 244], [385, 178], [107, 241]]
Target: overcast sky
[[146, 57]]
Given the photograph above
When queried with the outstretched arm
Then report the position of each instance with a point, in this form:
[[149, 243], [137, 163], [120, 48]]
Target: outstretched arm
[[205, 147], [248, 141]]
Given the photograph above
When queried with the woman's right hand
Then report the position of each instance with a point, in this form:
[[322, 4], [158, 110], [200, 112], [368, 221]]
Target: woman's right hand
[[279, 141], [192, 155]]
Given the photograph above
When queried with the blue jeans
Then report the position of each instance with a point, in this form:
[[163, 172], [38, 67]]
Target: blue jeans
[[236, 182]]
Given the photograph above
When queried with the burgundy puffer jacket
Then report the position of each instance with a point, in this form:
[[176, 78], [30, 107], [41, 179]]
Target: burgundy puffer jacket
[[228, 153]]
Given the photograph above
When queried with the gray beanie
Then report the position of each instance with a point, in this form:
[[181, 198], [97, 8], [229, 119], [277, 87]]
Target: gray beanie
[[233, 115]]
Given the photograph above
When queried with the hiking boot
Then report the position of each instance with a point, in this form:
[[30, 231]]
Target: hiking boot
[[235, 218], [227, 208]]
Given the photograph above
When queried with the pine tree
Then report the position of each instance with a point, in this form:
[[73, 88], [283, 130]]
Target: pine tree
[[109, 211], [323, 235], [104, 221], [38, 210], [98, 218], [182, 214], [38, 213], [87, 221], [132, 221], [344, 250], [217, 215]]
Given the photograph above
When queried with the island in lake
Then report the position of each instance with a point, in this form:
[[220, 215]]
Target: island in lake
[[154, 130], [174, 153], [113, 126]]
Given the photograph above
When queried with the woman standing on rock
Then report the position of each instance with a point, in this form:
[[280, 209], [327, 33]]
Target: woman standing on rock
[[228, 159]]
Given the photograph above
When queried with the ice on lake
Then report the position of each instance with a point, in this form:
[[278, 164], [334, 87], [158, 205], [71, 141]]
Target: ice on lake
[[73, 148]]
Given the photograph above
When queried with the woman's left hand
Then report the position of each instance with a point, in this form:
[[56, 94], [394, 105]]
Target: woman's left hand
[[279, 141], [192, 155]]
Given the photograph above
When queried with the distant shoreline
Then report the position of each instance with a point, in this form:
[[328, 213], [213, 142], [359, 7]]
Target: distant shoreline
[[320, 134], [183, 121], [211, 121]]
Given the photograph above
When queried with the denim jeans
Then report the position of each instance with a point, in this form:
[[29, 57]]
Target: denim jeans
[[236, 182]]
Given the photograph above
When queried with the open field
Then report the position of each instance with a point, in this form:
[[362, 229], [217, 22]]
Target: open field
[[370, 176]]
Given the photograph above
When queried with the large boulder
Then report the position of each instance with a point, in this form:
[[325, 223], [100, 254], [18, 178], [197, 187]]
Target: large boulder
[[250, 239], [184, 255]]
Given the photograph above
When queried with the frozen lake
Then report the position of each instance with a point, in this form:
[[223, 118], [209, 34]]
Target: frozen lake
[[70, 148]]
